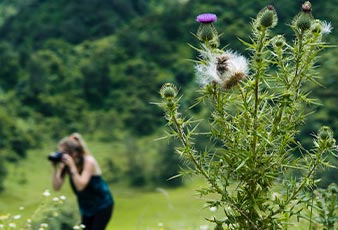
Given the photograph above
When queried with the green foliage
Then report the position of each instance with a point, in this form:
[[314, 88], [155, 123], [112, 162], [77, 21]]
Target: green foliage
[[325, 202], [168, 167], [255, 116], [3, 171], [93, 66]]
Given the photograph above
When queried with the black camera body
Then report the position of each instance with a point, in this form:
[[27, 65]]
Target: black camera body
[[55, 157]]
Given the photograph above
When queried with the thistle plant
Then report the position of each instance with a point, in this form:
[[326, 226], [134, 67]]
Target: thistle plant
[[257, 106]]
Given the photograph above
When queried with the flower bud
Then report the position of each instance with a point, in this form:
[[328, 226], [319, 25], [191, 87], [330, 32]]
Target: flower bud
[[307, 7], [304, 19], [304, 22], [206, 31], [333, 188], [278, 41], [168, 91], [267, 17], [316, 27], [325, 133]]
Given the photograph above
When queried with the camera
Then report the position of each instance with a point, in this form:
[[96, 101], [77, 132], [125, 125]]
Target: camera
[[55, 157]]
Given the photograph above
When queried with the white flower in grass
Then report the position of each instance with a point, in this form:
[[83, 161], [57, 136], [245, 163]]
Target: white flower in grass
[[204, 227], [16, 217], [12, 225], [56, 199], [326, 27], [213, 209], [63, 198], [82, 226], [76, 227], [46, 193], [1, 226], [44, 225], [21, 208]]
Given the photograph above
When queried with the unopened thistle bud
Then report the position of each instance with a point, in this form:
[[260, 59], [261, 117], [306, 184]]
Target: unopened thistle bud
[[304, 19], [278, 41], [267, 17], [325, 133], [168, 91], [307, 7], [333, 188], [316, 27], [206, 31], [304, 22], [325, 137]]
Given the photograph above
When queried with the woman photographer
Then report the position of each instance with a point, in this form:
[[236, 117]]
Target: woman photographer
[[94, 198]]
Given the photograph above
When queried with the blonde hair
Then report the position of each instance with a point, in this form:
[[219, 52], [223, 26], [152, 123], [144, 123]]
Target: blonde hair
[[74, 144]]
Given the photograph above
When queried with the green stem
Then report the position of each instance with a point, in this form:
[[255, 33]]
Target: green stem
[[182, 136], [257, 82], [298, 60], [310, 174]]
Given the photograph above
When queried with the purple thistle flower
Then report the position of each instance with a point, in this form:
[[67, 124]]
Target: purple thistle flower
[[206, 18]]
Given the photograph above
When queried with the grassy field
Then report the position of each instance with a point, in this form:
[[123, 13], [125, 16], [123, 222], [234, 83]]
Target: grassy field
[[155, 208], [136, 209]]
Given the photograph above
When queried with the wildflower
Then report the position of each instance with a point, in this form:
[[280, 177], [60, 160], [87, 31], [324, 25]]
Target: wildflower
[[204, 227], [4, 217], [1, 226], [213, 209], [56, 199], [16, 217], [76, 227], [326, 27], [63, 198], [12, 225], [82, 226], [206, 18], [21, 208], [43, 226], [206, 31], [46, 193]]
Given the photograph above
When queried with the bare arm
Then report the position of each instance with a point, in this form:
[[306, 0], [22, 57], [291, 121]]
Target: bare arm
[[80, 180], [58, 176]]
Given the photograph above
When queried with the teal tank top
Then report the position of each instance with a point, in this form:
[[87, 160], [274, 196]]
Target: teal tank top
[[95, 197]]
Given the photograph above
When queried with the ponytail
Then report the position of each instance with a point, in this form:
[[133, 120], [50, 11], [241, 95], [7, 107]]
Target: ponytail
[[78, 138]]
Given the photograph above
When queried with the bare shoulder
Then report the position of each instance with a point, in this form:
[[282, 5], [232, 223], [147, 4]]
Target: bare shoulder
[[90, 160]]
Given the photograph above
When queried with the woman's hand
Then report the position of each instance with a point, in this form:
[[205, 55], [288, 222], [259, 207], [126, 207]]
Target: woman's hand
[[69, 161]]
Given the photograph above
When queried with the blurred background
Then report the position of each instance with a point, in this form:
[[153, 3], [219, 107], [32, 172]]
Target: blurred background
[[95, 67]]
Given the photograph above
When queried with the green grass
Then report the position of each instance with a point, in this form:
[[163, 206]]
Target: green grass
[[135, 208]]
